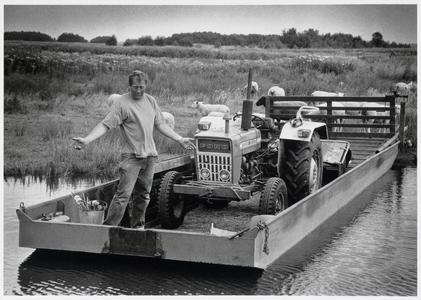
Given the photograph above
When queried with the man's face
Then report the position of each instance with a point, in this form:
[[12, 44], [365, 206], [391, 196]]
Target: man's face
[[137, 89]]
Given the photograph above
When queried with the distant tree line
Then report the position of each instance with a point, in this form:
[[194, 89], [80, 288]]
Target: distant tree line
[[71, 38], [289, 39], [27, 36], [108, 40]]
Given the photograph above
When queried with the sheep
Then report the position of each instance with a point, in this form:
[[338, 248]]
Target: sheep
[[262, 101], [353, 104], [112, 98], [216, 114], [205, 109], [168, 117], [402, 89], [338, 94], [326, 94], [334, 113], [412, 86], [254, 88], [374, 113], [276, 91]]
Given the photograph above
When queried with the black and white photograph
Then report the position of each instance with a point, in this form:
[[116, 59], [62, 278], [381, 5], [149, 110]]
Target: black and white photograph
[[210, 148]]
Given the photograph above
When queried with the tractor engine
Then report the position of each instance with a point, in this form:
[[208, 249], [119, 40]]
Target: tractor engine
[[227, 153], [262, 163]]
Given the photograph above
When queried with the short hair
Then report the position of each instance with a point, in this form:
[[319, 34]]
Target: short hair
[[139, 74]]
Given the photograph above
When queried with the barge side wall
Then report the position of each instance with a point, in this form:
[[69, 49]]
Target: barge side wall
[[293, 224]]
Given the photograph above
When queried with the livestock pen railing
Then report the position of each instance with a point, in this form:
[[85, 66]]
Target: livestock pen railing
[[349, 122]]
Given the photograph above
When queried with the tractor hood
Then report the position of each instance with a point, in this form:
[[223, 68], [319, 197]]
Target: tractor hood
[[242, 141]]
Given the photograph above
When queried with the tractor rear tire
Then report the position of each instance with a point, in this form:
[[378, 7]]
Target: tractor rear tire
[[304, 168], [171, 206], [274, 197]]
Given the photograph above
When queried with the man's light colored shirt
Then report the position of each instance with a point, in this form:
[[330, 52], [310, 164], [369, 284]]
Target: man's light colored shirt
[[136, 120]]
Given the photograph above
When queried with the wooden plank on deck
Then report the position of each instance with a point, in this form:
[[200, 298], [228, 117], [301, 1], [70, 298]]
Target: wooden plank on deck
[[361, 148]]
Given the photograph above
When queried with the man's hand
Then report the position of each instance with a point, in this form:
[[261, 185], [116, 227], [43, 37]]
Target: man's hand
[[80, 143], [186, 143]]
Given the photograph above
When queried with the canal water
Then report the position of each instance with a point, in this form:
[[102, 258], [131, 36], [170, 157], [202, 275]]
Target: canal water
[[368, 249]]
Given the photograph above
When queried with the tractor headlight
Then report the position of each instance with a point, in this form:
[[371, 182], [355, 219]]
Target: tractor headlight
[[224, 175], [205, 173], [204, 125], [303, 133]]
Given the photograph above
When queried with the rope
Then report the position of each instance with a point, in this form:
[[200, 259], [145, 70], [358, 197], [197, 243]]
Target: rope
[[211, 186], [263, 226]]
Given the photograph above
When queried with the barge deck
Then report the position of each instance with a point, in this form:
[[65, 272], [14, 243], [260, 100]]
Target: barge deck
[[228, 236]]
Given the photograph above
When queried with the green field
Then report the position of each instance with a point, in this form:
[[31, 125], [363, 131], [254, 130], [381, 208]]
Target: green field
[[54, 91]]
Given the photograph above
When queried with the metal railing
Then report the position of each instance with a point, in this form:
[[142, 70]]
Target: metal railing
[[385, 124]]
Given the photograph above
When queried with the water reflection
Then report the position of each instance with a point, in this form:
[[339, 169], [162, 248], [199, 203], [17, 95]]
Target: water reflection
[[50, 272], [52, 184], [369, 248], [35, 189]]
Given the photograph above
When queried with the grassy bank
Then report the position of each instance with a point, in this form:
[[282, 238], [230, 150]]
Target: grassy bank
[[53, 94]]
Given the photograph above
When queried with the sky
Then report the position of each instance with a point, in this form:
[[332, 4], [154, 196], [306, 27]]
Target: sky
[[396, 21]]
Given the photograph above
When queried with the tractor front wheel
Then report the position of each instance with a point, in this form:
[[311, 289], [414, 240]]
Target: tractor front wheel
[[171, 206], [274, 197]]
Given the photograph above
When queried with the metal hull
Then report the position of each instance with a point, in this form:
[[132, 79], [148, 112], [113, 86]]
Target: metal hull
[[285, 229]]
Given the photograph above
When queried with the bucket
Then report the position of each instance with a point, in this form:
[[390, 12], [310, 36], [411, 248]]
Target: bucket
[[93, 216]]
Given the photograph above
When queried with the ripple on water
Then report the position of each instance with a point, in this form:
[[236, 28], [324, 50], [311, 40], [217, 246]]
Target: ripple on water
[[368, 249]]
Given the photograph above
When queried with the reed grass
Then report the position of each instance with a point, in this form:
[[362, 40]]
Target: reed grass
[[56, 131], [20, 128], [67, 85]]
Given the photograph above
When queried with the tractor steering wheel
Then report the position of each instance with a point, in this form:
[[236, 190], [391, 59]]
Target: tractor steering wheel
[[236, 115], [253, 117]]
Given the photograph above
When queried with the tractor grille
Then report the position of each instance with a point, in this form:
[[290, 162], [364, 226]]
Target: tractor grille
[[215, 164]]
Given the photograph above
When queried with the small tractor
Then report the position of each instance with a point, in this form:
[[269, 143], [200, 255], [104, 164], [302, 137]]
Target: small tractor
[[238, 156]]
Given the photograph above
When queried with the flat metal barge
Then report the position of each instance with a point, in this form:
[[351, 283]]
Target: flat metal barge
[[255, 241]]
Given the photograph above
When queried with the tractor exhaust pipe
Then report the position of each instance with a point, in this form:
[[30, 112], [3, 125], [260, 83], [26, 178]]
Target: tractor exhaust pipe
[[227, 119], [247, 106]]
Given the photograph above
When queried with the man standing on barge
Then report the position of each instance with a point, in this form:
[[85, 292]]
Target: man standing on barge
[[135, 114]]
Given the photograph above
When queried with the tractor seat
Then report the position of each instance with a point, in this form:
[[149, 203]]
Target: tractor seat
[[267, 126]]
